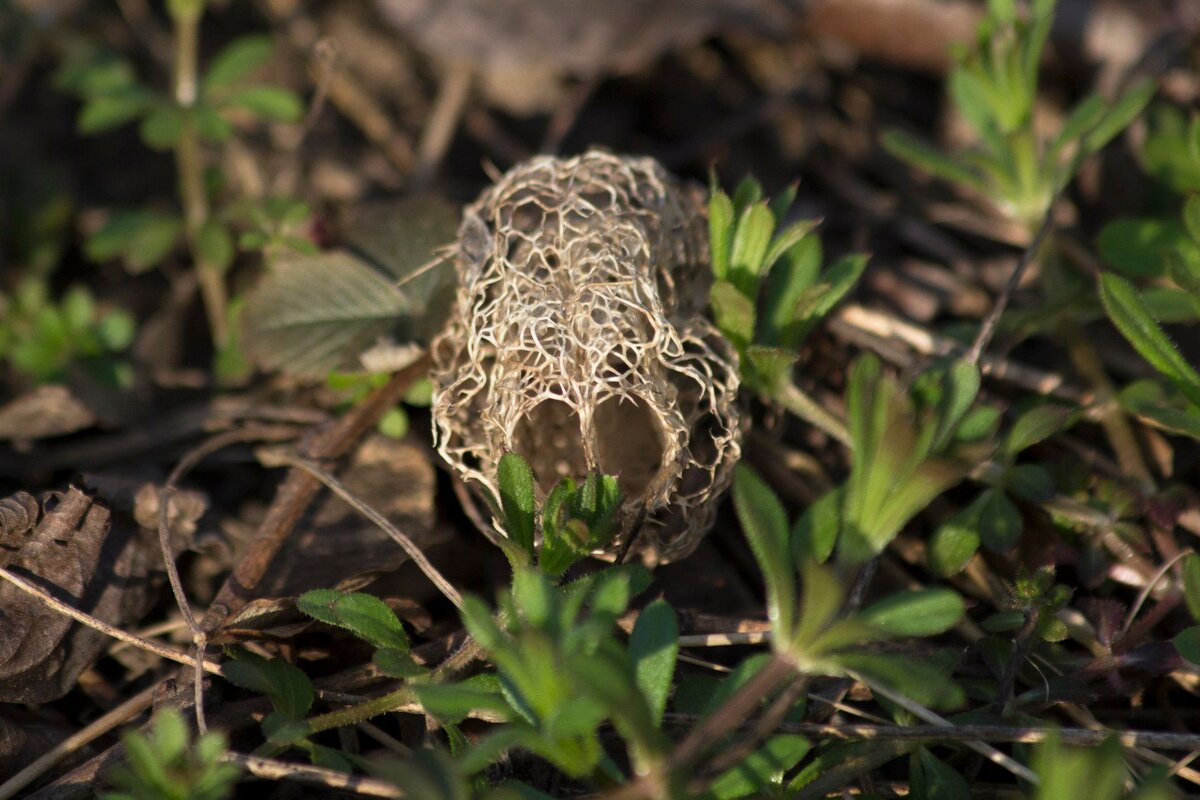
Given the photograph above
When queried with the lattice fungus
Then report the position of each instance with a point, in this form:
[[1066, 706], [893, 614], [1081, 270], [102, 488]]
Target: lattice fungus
[[579, 340]]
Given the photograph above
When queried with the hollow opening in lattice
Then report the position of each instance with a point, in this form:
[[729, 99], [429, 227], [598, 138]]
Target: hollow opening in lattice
[[548, 437], [630, 441]]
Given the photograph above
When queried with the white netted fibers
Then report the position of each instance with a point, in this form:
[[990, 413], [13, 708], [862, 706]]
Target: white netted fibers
[[579, 340]]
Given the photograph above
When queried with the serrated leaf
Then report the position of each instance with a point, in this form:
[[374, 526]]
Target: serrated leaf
[[1127, 312], [517, 499], [314, 314], [238, 59], [764, 524], [268, 102], [919, 613], [653, 646], [401, 236], [364, 615]]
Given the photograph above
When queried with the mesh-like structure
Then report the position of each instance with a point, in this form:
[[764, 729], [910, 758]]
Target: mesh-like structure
[[579, 340]]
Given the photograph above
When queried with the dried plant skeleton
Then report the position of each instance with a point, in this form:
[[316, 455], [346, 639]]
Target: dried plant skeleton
[[579, 340]]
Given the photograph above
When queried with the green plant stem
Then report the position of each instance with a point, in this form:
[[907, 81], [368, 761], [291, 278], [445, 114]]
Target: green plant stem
[[361, 712], [791, 397], [189, 163]]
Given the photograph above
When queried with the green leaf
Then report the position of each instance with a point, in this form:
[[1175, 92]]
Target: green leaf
[[750, 242], [787, 239], [1191, 217], [955, 542], [397, 663], [268, 102], [959, 389], [1187, 643], [795, 272], [1030, 482], [1127, 312], [764, 523], [1036, 425], [1184, 422], [1000, 523], [517, 499], [108, 111], [214, 246], [934, 779], [1184, 271], [815, 532], [720, 233], [364, 615], [819, 604], [917, 679], [116, 329], [734, 314], [314, 314], [653, 646], [763, 770], [767, 370], [394, 423], [286, 685], [210, 124], [813, 305], [1191, 584], [162, 127], [919, 613], [452, 703], [1119, 115], [1136, 247], [236, 60], [534, 598], [921, 155]]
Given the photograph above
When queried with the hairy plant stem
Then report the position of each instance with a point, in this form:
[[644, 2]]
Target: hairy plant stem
[[361, 712], [793, 398], [189, 162]]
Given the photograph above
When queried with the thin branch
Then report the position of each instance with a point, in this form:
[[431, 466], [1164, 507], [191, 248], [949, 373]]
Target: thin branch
[[933, 718], [988, 329], [298, 491], [406, 544], [1077, 737], [104, 627], [313, 776]]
